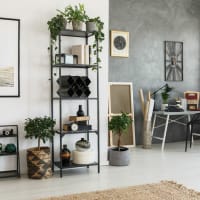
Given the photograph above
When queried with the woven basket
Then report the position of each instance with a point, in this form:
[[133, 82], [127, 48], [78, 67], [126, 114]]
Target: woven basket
[[39, 163]]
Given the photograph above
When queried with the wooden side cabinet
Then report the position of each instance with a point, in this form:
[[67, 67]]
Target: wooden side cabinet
[[9, 135]]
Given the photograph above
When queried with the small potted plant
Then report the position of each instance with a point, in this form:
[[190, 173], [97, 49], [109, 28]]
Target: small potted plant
[[55, 25], [119, 156], [76, 15], [39, 158], [165, 96]]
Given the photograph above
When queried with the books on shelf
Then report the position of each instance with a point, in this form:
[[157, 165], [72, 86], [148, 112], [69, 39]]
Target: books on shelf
[[82, 52]]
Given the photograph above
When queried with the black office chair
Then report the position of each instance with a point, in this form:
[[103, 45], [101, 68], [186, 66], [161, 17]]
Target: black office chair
[[193, 128]]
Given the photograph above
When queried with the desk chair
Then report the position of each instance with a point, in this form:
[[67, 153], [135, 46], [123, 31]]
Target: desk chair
[[193, 128]]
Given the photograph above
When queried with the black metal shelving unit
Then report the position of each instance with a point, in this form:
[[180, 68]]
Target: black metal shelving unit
[[16, 172], [85, 35]]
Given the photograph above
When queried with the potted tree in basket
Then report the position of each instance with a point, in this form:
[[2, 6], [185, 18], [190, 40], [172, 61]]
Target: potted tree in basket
[[76, 15], [39, 158], [119, 156]]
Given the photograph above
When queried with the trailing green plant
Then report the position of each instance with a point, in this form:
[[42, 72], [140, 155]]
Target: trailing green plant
[[76, 13], [119, 125], [99, 37], [55, 25], [165, 94], [40, 128]]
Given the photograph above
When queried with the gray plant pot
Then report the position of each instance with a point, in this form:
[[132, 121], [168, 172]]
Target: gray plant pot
[[119, 158], [91, 26]]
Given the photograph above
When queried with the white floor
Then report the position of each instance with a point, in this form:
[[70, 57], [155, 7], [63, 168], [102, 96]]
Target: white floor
[[147, 166]]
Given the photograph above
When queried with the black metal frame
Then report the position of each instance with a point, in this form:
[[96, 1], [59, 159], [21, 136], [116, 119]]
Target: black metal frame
[[80, 34], [11, 173], [165, 59], [18, 20]]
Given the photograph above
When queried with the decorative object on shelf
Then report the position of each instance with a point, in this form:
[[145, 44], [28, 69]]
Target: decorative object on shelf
[[83, 157], [80, 112], [65, 155], [82, 145], [71, 126], [119, 155], [10, 148], [10, 57], [76, 15], [39, 158], [7, 132], [119, 43], [73, 86], [173, 56], [64, 58]]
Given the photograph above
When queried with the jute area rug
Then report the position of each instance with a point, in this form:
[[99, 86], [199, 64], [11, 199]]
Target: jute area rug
[[165, 190]]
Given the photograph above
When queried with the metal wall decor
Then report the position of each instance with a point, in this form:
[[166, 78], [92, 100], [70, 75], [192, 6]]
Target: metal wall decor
[[119, 43], [9, 57], [173, 60]]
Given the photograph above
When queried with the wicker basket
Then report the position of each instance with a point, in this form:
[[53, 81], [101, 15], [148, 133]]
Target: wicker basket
[[39, 163]]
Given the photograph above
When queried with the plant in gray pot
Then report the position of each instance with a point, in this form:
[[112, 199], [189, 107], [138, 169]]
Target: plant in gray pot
[[119, 156], [39, 158], [76, 15]]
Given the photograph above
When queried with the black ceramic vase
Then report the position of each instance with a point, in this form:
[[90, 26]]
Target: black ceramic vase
[[80, 111]]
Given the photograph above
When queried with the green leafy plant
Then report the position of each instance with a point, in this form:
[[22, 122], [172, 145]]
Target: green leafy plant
[[55, 25], [119, 125], [99, 37], [41, 128], [165, 94], [76, 13]]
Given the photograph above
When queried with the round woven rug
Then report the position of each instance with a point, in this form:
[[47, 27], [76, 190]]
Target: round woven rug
[[165, 190]]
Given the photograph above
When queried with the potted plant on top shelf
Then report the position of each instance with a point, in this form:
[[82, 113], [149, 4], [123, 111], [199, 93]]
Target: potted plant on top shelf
[[39, 158], [119, 156], [76, 15]]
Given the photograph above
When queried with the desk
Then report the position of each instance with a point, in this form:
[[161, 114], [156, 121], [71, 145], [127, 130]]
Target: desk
[[166, 116]]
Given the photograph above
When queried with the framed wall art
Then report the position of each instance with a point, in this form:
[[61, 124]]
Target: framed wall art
[[119, 43], [9, 57], [173, 55]]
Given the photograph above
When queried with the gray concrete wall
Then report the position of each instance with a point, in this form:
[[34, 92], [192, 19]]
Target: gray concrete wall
[[150, 23]]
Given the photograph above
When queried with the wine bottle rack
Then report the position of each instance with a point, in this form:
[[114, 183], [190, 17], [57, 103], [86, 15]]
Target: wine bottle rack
[[73, 86]]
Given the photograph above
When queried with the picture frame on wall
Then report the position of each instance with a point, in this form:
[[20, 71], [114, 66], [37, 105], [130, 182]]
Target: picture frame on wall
[[119, 43], [173, 59], [9, 57]]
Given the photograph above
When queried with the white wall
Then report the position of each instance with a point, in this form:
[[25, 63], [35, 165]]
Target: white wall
[[35, 67]]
